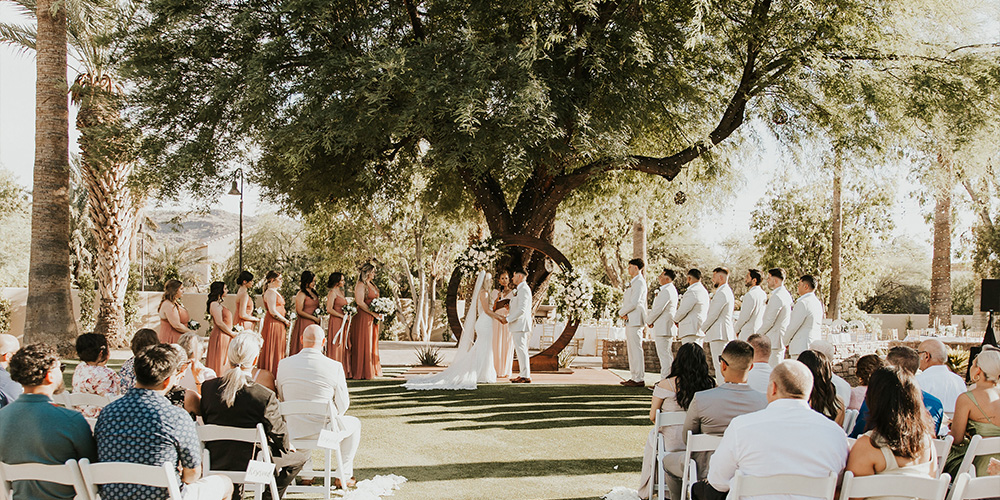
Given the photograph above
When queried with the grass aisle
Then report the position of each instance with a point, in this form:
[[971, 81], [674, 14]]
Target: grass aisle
[[502, 440]]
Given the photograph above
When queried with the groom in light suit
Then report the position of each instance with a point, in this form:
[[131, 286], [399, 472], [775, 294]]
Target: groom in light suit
[[661, 320], [519, 323], [633, 311]]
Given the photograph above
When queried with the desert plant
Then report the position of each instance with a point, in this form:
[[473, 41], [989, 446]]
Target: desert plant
[[429, 356], [566, 359], [958, 361], [909, 323]]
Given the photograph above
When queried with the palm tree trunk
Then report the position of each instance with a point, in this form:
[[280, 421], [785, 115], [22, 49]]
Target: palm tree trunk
[[837, 221], [941, 261], [49, 317]]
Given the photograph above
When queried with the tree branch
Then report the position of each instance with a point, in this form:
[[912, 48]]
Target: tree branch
[[418, 26]]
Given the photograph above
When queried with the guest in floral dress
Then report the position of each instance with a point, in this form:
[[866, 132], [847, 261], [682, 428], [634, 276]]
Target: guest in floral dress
[[92, 375], [142, 340]]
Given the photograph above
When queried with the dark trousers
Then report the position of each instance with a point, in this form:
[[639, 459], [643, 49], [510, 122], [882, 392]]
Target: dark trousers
[[704, 491]]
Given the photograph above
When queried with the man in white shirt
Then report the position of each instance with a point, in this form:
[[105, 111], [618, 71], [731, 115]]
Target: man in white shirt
[[751, 307], [661, 320], [760, 375], [692, 309], [776, 314], [787, 437], [935, 377], [804, 323], [842, 386], [719, 320], [633, 311], [311, 376]]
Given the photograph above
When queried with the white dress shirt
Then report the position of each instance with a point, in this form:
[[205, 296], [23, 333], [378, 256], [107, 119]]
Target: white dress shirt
[[634, 302], [719, 320], [311, 376], [661, 315], [940, 382], [751, 313], [691, 311], [787, 437], [804, 324], [759, 377], [776, 316]]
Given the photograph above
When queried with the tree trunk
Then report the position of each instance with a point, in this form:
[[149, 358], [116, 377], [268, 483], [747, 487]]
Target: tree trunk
[[50, 317], [833, 311], [639, 239], [941, 262]]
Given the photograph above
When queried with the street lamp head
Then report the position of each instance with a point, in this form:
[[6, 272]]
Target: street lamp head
[[235, 191]]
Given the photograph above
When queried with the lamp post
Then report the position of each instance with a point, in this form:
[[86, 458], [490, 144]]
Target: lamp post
[[239, 191]]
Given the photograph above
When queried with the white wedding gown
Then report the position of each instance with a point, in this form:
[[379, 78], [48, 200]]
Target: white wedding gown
[[473, 363]]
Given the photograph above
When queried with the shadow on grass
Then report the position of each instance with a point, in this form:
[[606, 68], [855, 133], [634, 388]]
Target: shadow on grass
[[510, 469]]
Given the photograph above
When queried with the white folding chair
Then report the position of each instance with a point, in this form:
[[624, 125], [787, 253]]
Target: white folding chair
[[784, 484], [978, 447], [333, 424], [923, 488], [850, 418], [663, 419], [253, 435], [66, 474], [75, 400], [941, 449], [164, 476], [696, 443], [974, 488]]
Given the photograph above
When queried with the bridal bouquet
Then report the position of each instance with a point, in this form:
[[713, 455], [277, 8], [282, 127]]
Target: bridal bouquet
[[193, 325], [575, 299], [382, 305], [238, 329], [479, 256], [258, 312], [350, 309]]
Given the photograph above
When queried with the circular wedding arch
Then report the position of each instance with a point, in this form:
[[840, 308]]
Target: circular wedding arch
[[547, 360]]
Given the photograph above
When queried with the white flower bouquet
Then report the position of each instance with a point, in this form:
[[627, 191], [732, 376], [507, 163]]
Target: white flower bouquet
[[258, 312], [350, 309], [193, 325], [575, 299], [319, 312], [479, 256], [238, 329], [382, 305], [292, 316]]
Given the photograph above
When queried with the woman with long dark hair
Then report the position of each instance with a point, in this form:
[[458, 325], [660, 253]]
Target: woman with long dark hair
[[363, 338], [275, 324], [306, 305], [244, 302], [688, 375], [222, 328], [899, 434], [336, 333], [824, 395], [173, 316]]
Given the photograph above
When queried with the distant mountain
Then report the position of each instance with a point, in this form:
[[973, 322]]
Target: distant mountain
[[176, 226]]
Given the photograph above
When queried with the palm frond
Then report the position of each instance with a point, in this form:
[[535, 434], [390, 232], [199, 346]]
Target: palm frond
[[22, 37]]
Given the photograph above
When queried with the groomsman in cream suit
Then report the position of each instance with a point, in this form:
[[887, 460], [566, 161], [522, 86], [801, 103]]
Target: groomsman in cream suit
[[692, 309], [807, 315], [751, 307], [661, 320], [519, 323], [776, 315], [719, 321], [633, 311]]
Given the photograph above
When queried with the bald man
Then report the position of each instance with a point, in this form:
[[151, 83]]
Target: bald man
[[9, 390], [311, 376], [787, 437], [935, 377]]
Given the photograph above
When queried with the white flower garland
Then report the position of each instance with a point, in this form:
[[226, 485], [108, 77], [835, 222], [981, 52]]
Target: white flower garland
[[575, 301], [480, 256]]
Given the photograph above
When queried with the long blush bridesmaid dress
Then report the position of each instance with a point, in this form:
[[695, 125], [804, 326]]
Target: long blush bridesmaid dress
[[363, 342], [273, 332], [503, 347], [168, 335], [295, 341], [248, 311], [336, 349], [217, 357]]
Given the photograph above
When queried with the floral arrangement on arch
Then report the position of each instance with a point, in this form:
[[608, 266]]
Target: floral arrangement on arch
[[479, 256], [574, 301]]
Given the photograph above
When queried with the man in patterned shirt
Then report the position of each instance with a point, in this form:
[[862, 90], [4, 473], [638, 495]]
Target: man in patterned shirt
[[143, 427]]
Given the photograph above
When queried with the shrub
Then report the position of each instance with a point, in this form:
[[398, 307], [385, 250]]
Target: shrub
[[429, 356], [5, 313], [958, 361]]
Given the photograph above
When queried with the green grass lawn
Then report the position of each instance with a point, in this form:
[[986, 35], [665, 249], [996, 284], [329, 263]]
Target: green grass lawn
[[502, 440]]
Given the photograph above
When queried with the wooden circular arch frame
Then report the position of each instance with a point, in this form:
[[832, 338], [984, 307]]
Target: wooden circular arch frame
[[547, 360]]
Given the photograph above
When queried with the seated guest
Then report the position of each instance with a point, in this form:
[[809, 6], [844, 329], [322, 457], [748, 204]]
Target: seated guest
[[843, 387], [34, 430], [9, 390], [311, 376], [935, 377], [760, 374], [195, 372], [900, 432], [92, 375], [787, 437], [711, 410], [142, 339], [143, 427], [866, 365], [907, 359], [234, 400], [688, 375], [977, 412], [823, 398]]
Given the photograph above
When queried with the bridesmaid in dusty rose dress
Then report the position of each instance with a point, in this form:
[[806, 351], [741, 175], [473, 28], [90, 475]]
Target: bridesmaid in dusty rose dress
[[503, 347], [275, 324], [244, 303], [222, 329], [363, 340], [173, 316], [306, 303], [336, 334]]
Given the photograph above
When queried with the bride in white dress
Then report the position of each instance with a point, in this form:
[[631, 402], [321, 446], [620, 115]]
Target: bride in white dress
[[474, 361]]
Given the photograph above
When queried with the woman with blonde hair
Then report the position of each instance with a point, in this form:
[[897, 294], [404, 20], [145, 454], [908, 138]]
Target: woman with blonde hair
[[363, 338], [977, 412], [173, 316]]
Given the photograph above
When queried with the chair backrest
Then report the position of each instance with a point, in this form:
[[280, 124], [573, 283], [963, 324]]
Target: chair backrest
[[313, 409], [77, 399], [978, 446], [702, 442], [784, 484], [164, 476], [974, 488], [924, 488], [665, 418], [941, 449], [66, 474], [253, 435], [850, 418]]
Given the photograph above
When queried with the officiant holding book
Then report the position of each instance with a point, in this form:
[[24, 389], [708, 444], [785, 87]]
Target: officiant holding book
[[503, 347]]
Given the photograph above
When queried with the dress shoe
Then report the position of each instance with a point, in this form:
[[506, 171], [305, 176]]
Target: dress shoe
[[524, 381], [515, 380], [633, 383]]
